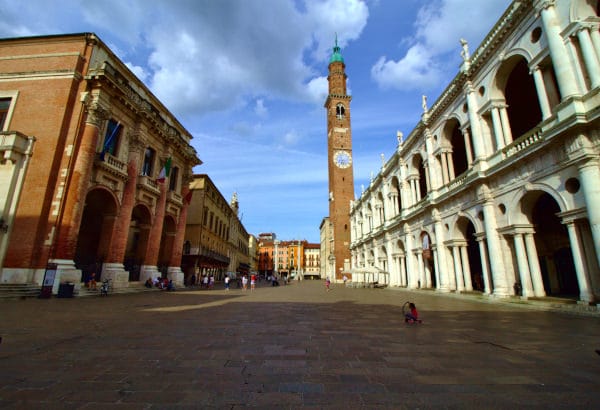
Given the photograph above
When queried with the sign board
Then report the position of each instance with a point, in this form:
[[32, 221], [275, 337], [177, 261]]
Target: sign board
[[48, 283]]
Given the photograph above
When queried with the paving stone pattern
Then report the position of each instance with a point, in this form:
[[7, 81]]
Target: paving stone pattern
[[290, 347]]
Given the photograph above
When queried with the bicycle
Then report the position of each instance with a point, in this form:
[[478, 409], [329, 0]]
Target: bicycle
[[105, 288]]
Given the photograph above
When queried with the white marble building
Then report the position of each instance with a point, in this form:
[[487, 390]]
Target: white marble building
[[497, 188]]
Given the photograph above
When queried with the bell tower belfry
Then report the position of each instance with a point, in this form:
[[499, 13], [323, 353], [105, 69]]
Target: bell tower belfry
[[339, 157]]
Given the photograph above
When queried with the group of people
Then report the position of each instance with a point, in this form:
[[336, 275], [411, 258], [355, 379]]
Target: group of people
[[160, 283], [253, 280], [205, 281]]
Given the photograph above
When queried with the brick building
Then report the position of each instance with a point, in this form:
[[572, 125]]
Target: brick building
[[89, 198]]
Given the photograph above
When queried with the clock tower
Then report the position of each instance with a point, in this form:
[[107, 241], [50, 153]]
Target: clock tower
[[339, 156]]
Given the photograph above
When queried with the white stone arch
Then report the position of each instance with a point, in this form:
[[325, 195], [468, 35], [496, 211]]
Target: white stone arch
[[455, 230], [502, 70], [515, 214], [581, 10], [442, 133]]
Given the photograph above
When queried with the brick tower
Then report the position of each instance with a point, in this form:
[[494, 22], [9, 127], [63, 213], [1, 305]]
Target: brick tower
[[339, 155]]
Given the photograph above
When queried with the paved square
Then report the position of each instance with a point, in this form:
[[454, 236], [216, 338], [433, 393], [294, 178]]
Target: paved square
[[293, 346]]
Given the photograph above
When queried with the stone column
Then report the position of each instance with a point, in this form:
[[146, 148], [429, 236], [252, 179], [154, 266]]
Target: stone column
[[558, 51], [534, 266], [460, 284], [484, 266], [81, 173], [445, 176], [524, 273], [421, 280], [508, 137], [403, 275], [501, 288], [411, 272], [114, 268], [418, 193], [540, 87], [436, 268], [467, 138], [451, 166], [175, 272], [466, 268], [583, 276], [590, 175], [595, 35], [428, 177], [497, 125], [442, 267], [149, 269], [590, 59], [474, 121]]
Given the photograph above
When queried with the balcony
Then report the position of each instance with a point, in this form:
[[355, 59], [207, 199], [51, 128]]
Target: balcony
[[112, 166]]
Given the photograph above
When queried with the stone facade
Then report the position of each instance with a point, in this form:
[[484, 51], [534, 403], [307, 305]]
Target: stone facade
[[312, 257], [496, 188], [216, 242], [326, 265], [89, 200]]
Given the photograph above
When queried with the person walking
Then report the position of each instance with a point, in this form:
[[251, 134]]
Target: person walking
[[252, 282], [227, 282], [244, 282], [327, 284]]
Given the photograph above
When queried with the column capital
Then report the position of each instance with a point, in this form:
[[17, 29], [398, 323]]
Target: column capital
[[96, 113], [468, 87], [136, 141], [542, 5]]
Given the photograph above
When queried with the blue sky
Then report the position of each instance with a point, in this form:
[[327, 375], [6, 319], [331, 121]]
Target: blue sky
[[248, 79]]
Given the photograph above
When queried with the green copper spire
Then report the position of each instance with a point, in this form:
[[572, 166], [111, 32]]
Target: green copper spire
[[336, 56]]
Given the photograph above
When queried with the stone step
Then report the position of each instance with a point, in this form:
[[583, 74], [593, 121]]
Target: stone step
[[19, 290]]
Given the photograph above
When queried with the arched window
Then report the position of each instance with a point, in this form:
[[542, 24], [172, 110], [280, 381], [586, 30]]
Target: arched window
[[340, 111]]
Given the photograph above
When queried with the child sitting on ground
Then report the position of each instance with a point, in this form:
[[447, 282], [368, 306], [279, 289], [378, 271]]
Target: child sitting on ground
[[413, 316]]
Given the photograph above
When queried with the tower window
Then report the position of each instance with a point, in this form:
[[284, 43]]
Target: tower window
[[340, 111]]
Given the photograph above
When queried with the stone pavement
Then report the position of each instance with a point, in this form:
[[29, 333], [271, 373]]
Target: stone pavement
[[293, 346]]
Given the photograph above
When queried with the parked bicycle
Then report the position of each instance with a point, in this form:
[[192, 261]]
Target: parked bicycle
[[105, 287]]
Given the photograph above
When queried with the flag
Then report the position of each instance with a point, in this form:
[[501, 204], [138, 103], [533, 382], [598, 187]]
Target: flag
[[188, 198], [108, 142], [164, 172]]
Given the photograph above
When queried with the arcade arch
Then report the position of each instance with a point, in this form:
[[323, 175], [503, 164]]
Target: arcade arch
[[97, 223], [137, 240]]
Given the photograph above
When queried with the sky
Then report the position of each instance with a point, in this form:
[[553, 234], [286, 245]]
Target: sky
[[248, 79]]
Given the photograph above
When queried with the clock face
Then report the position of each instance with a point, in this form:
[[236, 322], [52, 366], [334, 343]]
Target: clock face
[[342, 159]]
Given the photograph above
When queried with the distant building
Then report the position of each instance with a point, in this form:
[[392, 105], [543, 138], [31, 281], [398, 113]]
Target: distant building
[[84, 142], [312, 257], [266, 253], [216, 242], [496, 188], [326, 258], [287, 258]]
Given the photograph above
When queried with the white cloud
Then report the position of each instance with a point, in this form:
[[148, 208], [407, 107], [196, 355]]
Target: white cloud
[[291, 138], [139, 71], [416, 70], [260, 109], [439, 26], [347, 18]]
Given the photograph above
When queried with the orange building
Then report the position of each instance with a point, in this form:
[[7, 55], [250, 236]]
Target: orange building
[[90, 199], [287, 258]]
